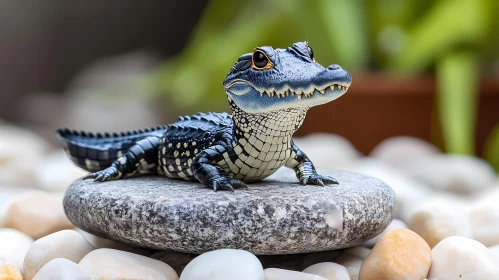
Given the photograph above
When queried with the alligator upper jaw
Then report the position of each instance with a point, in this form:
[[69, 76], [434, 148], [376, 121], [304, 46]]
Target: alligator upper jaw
[[304, 93]]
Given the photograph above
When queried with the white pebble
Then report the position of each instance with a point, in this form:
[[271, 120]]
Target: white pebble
[[13, 247], [494, 251], [455, 173], [396, 223], [37, 214], [329, 270], [20, 152], [440, 218], [283, 274], [66, 244], [62, 269], [110, 264], [401, 150], [352, 259], [328, 150], [410, 193], [56, 172], [224, 264], [484, 217], [462, 258]]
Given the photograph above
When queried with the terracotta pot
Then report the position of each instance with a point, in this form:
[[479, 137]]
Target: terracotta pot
[[379, 106]]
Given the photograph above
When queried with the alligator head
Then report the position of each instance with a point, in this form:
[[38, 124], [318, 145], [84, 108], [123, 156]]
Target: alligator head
[[273, 79]]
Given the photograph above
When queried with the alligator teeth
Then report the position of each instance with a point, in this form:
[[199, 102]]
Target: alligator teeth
[[323, 91], [261, 93], [298, 95]]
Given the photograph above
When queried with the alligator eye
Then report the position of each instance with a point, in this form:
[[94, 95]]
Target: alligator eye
[[311, 53], [260, 61]]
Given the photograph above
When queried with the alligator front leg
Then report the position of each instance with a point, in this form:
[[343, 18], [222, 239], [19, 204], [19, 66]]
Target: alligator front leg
[[143, 155], [206, 169], [305, 170]]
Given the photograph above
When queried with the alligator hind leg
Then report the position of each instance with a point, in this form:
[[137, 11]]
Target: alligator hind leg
[[205, 169], [143, 155]]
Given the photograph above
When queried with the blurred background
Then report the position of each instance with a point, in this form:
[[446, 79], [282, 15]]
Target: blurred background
[[428, 69], [422, 113]]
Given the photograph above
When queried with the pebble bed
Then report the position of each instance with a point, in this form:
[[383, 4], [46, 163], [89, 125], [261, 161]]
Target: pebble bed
[[446, 222]]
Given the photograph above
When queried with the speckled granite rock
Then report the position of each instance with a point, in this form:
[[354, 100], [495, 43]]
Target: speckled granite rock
[[276, 216]]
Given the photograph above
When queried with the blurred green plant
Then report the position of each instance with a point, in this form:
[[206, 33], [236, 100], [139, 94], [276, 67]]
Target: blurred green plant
[[454, 38]]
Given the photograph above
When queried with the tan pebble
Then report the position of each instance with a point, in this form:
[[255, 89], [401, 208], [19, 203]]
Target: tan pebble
[[393, 225], [400, 254], [10, 272], [37, 214], [283, 274], [329, 270]]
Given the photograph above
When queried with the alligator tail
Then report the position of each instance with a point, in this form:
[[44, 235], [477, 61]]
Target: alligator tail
[[94, 152]]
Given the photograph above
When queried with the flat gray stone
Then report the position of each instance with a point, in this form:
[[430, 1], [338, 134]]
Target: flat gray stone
[[275, 216]]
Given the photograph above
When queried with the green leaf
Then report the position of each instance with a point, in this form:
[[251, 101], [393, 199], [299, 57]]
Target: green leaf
[[345, 28], [457, 76], [491, 149], [446, 25]]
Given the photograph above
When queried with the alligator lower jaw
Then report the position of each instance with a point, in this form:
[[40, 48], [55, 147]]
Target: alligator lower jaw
[[300, 94]]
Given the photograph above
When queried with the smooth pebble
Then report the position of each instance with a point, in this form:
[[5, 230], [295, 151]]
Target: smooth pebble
[[20, 153], [37, 214], [459, 258], [56, 172], [110, 264], [400, 150], [328, 150], [329, 270], [66, 244], [484, 217], [440, 218], [10, 272], [13, 247], [352, 259], [283, 274], [62, 269], [454, 173], [410, 193], [494, 250], [224, 264], [400, 254]]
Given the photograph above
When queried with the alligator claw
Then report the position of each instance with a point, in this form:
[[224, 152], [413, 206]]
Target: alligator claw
[[104, 175], [316, 179], [222, 183]]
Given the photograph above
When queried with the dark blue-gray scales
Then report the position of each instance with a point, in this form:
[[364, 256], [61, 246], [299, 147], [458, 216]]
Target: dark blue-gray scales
[[269, 93]]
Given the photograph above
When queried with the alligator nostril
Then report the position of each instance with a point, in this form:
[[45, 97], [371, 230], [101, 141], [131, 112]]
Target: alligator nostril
[[333, 67]]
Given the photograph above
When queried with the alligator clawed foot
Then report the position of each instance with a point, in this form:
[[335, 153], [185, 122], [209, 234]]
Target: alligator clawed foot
[[316, 179], [222, 183], [107, 174]]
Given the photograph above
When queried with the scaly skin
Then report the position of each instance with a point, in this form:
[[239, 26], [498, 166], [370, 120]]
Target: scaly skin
[[269, 93]]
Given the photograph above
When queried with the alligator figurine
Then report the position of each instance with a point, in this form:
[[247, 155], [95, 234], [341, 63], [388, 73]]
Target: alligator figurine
[[269, 92]]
